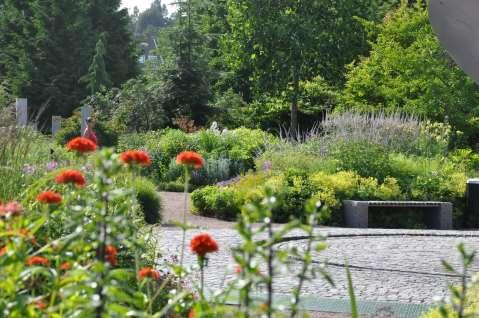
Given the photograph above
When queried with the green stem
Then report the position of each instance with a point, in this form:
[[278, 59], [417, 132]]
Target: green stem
[[202, 277], [183, 240]]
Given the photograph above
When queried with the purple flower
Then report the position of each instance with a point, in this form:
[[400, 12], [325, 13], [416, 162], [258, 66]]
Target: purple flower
[[228, 182], [29, 169], [52, 165], [267, 165]]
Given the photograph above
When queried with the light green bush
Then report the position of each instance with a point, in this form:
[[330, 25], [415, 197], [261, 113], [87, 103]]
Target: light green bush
[[227, 154], [148, 199]]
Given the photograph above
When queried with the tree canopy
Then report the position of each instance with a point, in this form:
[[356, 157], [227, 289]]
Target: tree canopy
[[408, 70], [47, 46]]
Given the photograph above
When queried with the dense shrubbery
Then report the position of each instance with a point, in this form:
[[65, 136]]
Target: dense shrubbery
[[24, 156], [106, 133], [227, 154], [354, 157], [147, 197]]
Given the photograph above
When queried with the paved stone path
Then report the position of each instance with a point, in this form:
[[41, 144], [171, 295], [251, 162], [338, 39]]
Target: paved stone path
[[387, 265]]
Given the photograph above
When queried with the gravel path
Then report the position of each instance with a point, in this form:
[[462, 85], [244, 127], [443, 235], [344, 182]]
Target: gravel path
[[173, 206], [401, 266]]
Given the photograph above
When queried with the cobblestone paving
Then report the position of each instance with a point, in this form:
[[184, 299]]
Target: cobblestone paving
[[387, 265]]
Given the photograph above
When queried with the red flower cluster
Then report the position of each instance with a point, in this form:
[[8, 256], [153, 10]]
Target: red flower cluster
[[65, 266], [110, 256], [3, 250], [190, 158], [40, 304], [71, 176], [37, 261], [11, 208], [49, 197], [135, 157], [202, 244], [81, 145], [148, 272]]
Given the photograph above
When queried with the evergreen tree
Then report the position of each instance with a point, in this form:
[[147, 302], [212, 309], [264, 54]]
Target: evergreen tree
[[121, 54], [97, 77], [186, 80], [156, 16], [47, 46]]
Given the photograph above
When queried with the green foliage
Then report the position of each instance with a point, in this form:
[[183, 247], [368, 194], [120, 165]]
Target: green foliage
[[409, 178], [70, 128], [214, 202], [82, 231], [148, 199], [367, 159], [315, 97], [24, 157], [97, 77], [407, 69], [464, 298], [272, 47], [48, 46], [226, 154]]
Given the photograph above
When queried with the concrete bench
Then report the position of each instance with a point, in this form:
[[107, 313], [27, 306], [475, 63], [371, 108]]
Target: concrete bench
[[439, 215]]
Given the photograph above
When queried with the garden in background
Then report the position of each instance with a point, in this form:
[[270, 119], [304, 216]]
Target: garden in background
[[268, 115]]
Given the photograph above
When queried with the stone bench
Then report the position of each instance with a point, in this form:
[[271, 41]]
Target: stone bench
[[439, 215]]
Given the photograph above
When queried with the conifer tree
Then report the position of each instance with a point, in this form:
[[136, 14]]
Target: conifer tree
[[97, 77]]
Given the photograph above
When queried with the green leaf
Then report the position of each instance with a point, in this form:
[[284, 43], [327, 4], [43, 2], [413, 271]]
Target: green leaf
[[352, 297]]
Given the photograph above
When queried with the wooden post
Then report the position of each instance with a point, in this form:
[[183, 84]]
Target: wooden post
[[21, 110], [56, 124], [85, 113]]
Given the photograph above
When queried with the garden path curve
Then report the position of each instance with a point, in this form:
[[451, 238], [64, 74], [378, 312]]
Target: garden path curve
[[402, 266]]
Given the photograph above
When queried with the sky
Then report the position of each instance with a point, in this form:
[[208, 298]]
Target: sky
[[145, 4]]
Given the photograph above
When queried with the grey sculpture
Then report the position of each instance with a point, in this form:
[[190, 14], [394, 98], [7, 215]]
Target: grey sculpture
[[456, 23]]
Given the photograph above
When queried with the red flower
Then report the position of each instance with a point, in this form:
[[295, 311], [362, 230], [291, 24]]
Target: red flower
[[49, 197], [148, 272], [202, 244], [11, 208], [135, 157], [71, 176], [238, 269], [3, 250], [37, 261], [110, 256], [190, 158], [81, 145], [65, 266], [40, 304], [192, 313]]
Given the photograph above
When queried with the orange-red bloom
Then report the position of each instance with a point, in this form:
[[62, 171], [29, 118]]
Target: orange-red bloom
[[49, 197], [192, 313], [3, 250], [71, 176], [148, 272], [81, 145], [11, 208], [37, 261], [40, 304], [65, 266], [135, 157], [110, 254], [238, 269], [190, 158], [202, 244]]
